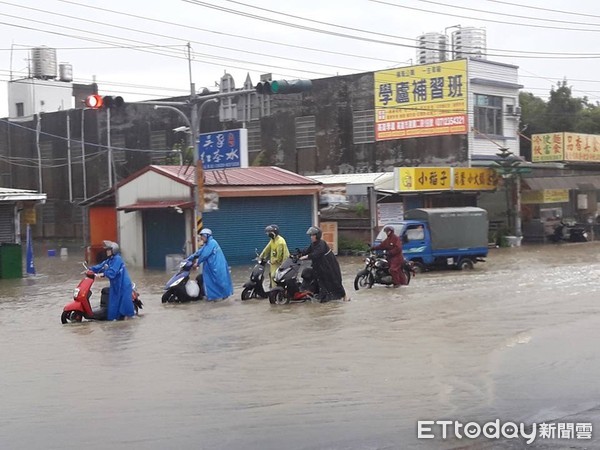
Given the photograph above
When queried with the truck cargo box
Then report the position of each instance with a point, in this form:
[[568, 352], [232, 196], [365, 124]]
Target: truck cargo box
[[458, 227]]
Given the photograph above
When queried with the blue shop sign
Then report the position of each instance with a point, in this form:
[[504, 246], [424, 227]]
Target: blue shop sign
[[222, 149]]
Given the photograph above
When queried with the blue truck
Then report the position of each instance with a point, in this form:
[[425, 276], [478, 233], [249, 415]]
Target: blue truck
[[438, 238]]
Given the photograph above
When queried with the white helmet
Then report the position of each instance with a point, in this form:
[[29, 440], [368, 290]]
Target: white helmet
[[110, 245], [206, 231]]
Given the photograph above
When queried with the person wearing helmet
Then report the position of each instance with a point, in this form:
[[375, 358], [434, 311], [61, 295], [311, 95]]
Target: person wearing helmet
[[325, 265], [276, 250], [215, 270], [393, 245], [120, 297]]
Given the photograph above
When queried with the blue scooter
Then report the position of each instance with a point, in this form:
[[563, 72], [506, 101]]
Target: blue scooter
[[181, 288]]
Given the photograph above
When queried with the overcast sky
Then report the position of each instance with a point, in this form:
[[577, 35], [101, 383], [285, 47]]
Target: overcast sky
[[138, 48]]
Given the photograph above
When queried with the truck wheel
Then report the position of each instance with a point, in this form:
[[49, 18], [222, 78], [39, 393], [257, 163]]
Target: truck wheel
[[418, 267], [465, 264]]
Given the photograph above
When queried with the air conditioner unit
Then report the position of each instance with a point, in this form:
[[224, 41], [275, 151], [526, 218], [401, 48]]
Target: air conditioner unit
[[512, 110]]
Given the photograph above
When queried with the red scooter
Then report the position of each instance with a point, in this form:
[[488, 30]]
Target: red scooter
[[80, 307]]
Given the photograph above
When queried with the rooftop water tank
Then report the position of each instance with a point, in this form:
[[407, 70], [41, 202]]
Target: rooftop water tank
[[431, 48], [65, 72], [43, 61]]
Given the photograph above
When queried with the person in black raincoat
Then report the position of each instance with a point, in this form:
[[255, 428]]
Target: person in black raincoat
[[326, 267]]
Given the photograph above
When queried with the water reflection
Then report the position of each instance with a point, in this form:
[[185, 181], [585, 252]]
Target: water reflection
[[514, 338]]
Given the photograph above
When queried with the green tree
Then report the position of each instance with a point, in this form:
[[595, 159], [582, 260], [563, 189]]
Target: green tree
[[563, 109], [589, 120], [533, 120]]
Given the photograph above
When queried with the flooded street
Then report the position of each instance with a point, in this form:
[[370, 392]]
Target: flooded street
[[516, 339]]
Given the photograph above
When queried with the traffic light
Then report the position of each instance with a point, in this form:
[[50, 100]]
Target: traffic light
[[283, 87], [96, 101]]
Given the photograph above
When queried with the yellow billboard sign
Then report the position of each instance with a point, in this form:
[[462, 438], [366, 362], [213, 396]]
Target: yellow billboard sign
[[474, 178], [565, 147], [545, 196], [417, 179], [547, 147], [582, 147], [425, 100]]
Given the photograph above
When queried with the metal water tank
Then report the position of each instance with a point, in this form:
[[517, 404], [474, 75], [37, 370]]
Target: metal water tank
[[432, 48], [469, 42], [43, 61], [65, 72]]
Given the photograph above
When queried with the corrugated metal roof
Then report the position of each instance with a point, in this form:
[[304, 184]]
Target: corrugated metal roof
[[250, 176], [569, 182], [13, 195], [352, 178], [157, 204]]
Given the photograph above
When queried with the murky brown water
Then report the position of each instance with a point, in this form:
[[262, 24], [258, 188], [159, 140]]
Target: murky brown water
[[515, 339]]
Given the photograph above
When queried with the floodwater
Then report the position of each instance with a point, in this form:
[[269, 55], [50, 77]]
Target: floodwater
[[516, 339]]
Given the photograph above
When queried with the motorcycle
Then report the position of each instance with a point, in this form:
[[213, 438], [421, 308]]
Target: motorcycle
[[377, 271], [569, 233], [181, 288], [253, 288], [81, 308], [288, 288]]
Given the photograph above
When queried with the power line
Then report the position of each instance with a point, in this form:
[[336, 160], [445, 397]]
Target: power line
[[520, 54], [221, 33], [149, 33], [544, 9], [479, 18], [507, 14]]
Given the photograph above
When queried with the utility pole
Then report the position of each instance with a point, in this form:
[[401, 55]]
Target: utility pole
[[199, 190], [108, 146]]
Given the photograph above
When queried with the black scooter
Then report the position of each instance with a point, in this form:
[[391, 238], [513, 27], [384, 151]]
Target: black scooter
[[253, 288], [288, 287], [569, 233]]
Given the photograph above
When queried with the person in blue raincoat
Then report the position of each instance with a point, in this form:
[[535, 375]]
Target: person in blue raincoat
[[215, 271], [120, 302]]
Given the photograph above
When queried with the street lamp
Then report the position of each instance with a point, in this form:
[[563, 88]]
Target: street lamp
[[185, 119]]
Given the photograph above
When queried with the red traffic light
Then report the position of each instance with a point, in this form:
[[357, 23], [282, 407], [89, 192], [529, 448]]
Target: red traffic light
[[94, 101]]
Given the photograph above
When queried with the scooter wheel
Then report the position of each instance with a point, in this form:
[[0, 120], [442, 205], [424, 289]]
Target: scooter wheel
[[71, 316], [247, 293], [362, 281], [169, 297], [278, 297]]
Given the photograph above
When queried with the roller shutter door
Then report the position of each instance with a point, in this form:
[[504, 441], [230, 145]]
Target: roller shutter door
[[7, 222], [239, 224], [164, 234]]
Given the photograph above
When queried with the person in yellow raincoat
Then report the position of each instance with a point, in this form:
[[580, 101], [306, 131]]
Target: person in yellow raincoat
[[276, 250]]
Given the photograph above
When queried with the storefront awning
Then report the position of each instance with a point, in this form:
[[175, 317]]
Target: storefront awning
[[582, 182], [157, 204]]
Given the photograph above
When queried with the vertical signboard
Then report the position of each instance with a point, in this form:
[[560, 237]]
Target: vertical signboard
[[425, 100], [223, 149]]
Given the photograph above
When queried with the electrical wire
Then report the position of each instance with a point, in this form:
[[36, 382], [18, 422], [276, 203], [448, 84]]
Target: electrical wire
[[507, 14]]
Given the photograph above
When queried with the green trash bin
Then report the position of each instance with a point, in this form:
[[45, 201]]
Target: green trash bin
[[11, 261]]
